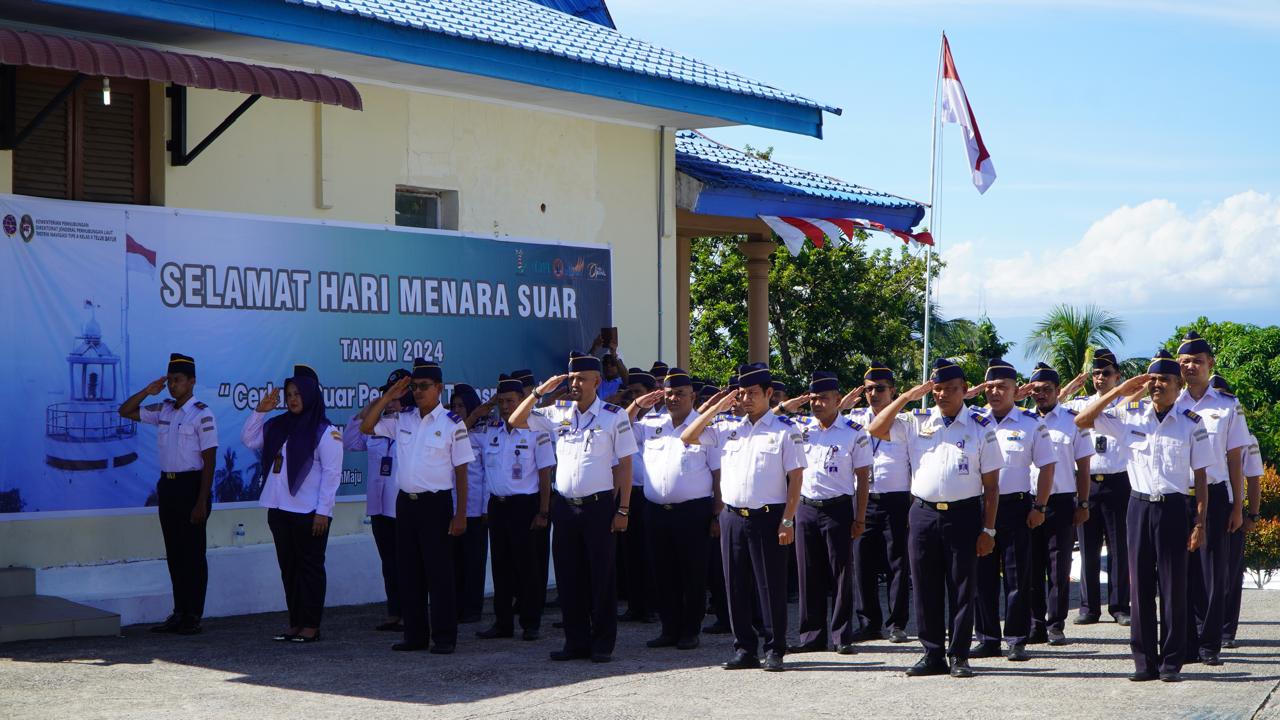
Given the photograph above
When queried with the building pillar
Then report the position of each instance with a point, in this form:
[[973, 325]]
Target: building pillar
[[758, 264], [683, 313]]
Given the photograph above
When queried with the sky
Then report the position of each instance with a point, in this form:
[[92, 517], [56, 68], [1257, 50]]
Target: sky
[[1135, 141]]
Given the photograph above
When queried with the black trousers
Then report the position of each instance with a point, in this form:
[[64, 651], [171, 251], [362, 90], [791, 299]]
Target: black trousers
[[584, 552], [518, 556], [1109, 504], [384, 536], [184, 542], [424, 552], [1051, 546], [1235, 582], [677, 535], [824, 558], [755, 575], [1208, 570], [470, 558], [301, 557], [943, 549], [1011, 560], [883, 548], [1158, 533], [638, 584]]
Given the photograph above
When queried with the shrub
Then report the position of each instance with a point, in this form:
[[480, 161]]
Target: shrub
[[1262, 551]]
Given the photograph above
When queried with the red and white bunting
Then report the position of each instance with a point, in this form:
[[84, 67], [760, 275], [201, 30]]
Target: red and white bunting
[[795, 230]]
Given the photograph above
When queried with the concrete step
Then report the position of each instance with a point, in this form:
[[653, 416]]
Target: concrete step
[[17, 581], [42, 617]]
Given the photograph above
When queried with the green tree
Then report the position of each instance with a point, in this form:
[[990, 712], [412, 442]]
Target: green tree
[[970, 344], [1247, 357], [1065, 334]]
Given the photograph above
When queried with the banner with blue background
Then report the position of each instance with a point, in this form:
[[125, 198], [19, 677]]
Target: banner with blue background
[[96, 296]]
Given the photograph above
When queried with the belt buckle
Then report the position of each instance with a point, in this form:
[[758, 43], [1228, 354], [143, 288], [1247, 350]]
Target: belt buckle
[[412, 496], [1157, 497], [171, 476], [574, 501], [668, 506], [1097, 478], [743, 512], [941, 506], [1191, 492]]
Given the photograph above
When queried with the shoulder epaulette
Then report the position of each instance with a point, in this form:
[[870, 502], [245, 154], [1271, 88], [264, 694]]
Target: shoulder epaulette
[[495, 422], [785, 420], [168, 401], [153, 407], [201, 406], [920, 412], [1070, 411], [1135, 405], [1031, 414], [979, 418], [610, 407], [852, 424], [453, 416], [1193, 417], [1224, 393], [564, 403], [333, 432]]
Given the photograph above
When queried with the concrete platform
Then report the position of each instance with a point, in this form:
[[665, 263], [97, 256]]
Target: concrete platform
[[42, 617]]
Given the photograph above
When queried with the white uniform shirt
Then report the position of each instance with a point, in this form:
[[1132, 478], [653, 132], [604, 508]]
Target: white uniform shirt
[[1220, 416], [890, 466], [677, 472], [1024, 442], [1161, 452], [183, 433], [588, 444], [318, 490], [1110, 453], [428, 448], [1251, 464], [513, 457], [380, 480], [755, 458], [831, 454], [948, 460], [1070, 444]]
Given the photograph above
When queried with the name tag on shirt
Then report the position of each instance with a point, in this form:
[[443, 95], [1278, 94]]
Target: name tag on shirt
[[386, 467], [964, 466], [516, 474], [1099, 444]]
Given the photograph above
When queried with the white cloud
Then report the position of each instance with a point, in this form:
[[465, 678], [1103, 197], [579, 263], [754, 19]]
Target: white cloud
[[1151, 257]]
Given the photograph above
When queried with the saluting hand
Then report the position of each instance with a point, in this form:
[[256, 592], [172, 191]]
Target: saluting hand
[[976, 390], [852, 397], [398, 389], [551, 384], [1135, 383], [650, 399], [269, 402], [704, 407], [918, 391], [1074, 386], [1022, 392], [156, 386], [796, 402]]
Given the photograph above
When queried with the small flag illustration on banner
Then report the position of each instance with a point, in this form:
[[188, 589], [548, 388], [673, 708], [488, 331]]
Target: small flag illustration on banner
[[139, 258]]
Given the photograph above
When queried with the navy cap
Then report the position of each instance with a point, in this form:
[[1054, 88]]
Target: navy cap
[[878, 371], [659, 369], [1103, 358], [525, 376], [1164, 364], [823, 381], [300, 370], [1044, 373], [733, 382], [506, 383], [1217, 382], [697, 382], [394, 378], [636, 375], [754, 374], [998, 369], [579, 362], [944, 370], [1192, 343], [179, 363], [426, 370], [779, 386], [677, 377]]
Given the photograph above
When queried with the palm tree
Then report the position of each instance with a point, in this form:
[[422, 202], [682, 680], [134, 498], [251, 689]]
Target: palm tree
[[1065, 334]]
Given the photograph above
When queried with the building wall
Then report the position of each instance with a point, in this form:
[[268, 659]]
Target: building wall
[[598, 182]]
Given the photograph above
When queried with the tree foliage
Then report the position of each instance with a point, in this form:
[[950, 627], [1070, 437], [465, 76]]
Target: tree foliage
[[1065, 334]]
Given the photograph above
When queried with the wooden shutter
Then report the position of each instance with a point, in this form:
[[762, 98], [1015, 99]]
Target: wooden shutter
[[42, 163]]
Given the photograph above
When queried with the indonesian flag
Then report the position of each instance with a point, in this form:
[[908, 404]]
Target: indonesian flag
[[956, 109], [139, 258]]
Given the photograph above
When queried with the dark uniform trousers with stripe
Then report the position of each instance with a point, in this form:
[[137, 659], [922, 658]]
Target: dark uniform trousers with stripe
[[824, 558], [755, 576], [184, 541], [424, 552], [1010, 560], [1051, 546], [1208, 574], [584, 551], [1158, 533], [943, 548], [1108, 508], [883, 548]]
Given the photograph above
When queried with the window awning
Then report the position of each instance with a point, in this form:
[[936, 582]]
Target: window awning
[[98, 58]]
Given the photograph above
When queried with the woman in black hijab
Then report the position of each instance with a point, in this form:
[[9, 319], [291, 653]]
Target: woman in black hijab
[[301, 469]]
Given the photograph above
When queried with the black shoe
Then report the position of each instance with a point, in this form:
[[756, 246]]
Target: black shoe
[[601, 657], [1083, 619], [960, 668], [1208, 658], [810, 648], [563, 655], [493, 632], [1122, 619], [390, 626], [661, 641], [169, 625], [1227, 642], [1056, 637], [1170, 677], [1191, 660], [1038, 637], [530, 634], [689, 643], [867, 634], [898, 635], [442, 649], [773, 662], [742, 661], [468, 619], [633, 616], [283, 637], [928, 666], [846, 649], [303, 639], [1017, 653], [1146, 676], [716, 628], [984, 650], [188, 626], [408, 647]]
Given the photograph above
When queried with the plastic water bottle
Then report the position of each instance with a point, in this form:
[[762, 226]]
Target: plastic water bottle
[[238, 538]]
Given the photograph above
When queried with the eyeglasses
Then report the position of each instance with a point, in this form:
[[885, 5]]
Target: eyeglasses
[[1104, 373], [877, 388], [423, 386]]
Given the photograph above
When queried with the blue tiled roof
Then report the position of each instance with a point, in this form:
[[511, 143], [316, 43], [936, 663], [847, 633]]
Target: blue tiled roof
[[590, 10], [720, 166], [527, 25]]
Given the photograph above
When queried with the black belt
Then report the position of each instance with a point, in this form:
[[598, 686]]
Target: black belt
[[673, 506], [748, 512], [1014, 496], [184, 475], [951, 505], [422, 495], [504, 498], [1101, 477], [1155, 498], [824, 503], [587, 499], [886, 495]]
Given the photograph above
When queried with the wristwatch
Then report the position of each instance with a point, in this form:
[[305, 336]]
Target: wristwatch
[[624, 511], [788, 523], [1254, 517], [1042, 509], [1082, 504], [989, 531]]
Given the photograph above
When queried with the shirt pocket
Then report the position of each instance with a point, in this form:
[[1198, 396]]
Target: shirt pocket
[[692, 457], [1173, 454]]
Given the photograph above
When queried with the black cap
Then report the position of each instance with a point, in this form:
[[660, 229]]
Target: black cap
[[1217, 382], [677, 377], [643, 377], [998, 369], [1044, 373], [179, 363], [426, 370], [659, 369], [506, 383], [878, 371], [525, 376], [1164, 364], [1192, 343], [394, 378], [1103, 358], [754, 374], [944, 370], [823, 381], [581, 362]]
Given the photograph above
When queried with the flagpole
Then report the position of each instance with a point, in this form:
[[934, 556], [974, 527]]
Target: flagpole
[[933, 217]]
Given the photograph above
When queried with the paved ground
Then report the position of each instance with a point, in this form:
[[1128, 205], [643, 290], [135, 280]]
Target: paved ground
[[234, 671]]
